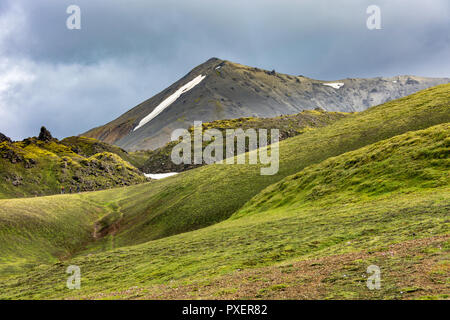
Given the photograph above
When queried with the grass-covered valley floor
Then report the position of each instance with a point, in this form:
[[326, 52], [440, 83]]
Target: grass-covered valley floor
[[372, 188]]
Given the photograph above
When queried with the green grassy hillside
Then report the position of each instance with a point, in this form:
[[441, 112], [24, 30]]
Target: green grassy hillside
[[44, 230], [413, 161], [88, 147], [210, 194], [385, 204], [159, 160], [35, 167]]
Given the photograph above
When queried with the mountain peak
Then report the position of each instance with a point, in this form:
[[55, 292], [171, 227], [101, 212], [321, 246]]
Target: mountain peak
[[220, 89], [213, 59]]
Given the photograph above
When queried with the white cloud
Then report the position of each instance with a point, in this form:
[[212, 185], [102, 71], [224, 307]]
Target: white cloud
[[67, 98], [12, 24], [13, 77]]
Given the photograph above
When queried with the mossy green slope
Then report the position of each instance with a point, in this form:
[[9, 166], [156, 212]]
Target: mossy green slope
[[210, 194], [413, 161], [34, 168], [34, 233], [349, 217], [88, 147], [159, 160]]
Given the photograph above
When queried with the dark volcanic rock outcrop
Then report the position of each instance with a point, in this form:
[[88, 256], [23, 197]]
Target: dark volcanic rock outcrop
[[45, 135], [4, 138]]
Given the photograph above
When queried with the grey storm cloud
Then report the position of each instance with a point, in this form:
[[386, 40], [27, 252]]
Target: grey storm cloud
[[127, 51]]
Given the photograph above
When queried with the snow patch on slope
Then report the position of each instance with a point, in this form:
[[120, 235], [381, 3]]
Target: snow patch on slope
[[335, 85], [163, 105], [158, 176]]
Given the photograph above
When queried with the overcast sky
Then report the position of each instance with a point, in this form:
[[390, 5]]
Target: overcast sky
[[127, 51]]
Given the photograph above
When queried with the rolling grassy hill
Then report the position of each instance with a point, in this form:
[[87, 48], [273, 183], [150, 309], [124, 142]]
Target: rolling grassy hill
[[413, 161], [159, 160], [36, 167], [311, 235], [44, 230], [210, 194], [393, 191]]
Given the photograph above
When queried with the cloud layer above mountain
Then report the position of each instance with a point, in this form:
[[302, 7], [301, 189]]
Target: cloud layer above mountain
[[126, 51]]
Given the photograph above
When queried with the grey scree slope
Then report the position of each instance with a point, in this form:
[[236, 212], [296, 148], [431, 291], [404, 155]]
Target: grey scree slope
[[231, 90]]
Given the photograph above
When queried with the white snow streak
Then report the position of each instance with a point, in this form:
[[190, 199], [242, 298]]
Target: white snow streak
[[158, 176], [163, 105], [336, 85]]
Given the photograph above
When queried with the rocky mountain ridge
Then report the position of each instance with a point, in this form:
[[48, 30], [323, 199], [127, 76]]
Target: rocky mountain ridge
[[220, 89]]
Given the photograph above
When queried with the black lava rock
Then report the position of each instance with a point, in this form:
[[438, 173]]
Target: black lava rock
[[4, 138], [45, 135]]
